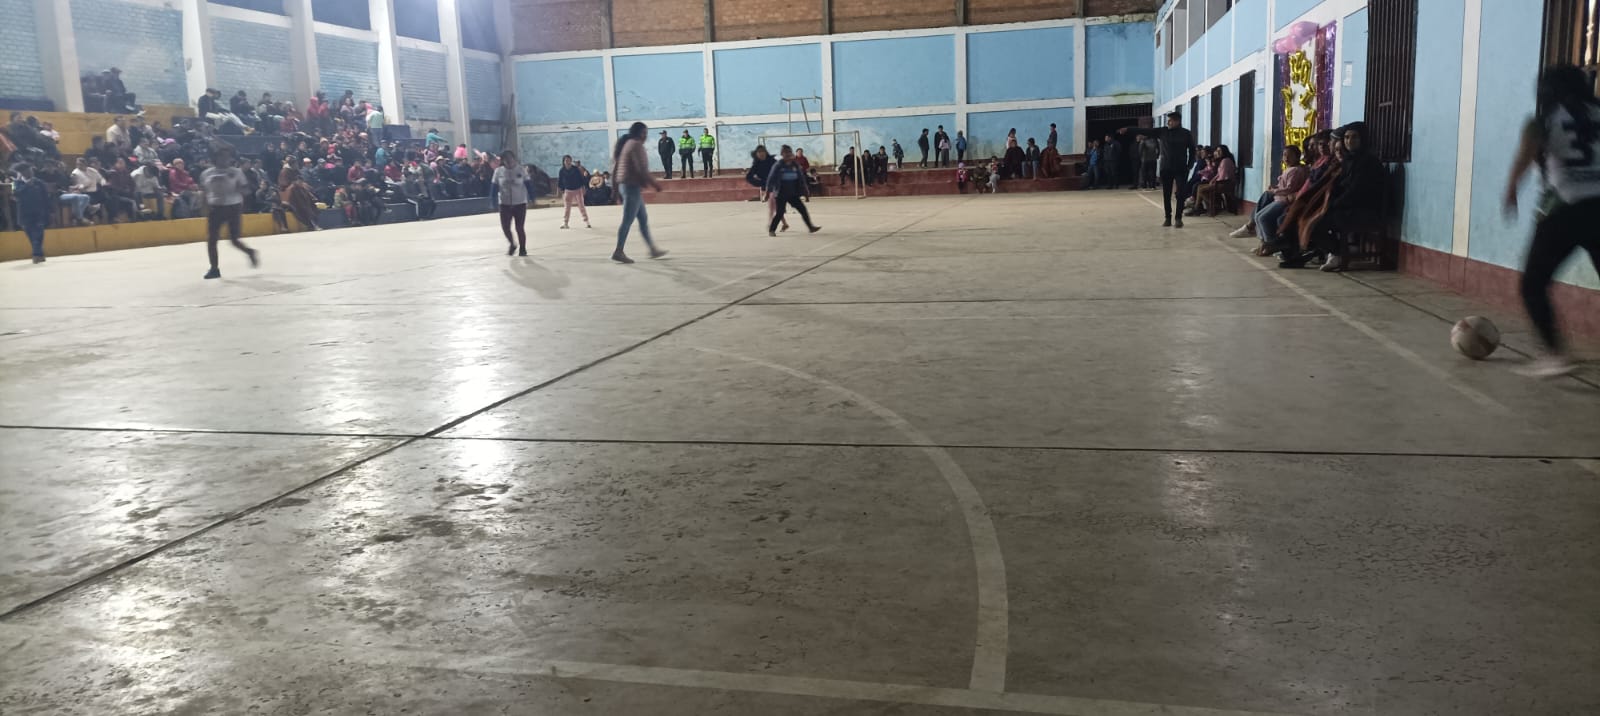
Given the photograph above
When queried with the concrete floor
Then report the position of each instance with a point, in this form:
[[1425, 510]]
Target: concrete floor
[[974, 455]]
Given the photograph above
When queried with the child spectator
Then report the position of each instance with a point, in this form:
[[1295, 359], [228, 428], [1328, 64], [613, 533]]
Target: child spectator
[[961, 177], [994, 175]]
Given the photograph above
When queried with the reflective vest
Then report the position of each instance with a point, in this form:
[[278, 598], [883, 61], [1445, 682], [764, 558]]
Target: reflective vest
[[685, 143], [708, 142]]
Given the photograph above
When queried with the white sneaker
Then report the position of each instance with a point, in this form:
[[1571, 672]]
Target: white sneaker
[[1242, 232], [1546, 367], [1334, 263]]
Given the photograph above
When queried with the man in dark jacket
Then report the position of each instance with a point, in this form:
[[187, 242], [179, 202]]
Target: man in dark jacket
[[1177, 155], [665, 147], [33, 208], [118, 98], [1356, 201], [788, 182], [922, 143], [941, 145]]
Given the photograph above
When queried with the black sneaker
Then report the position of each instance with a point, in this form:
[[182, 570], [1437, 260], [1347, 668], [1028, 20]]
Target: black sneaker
[[522, 252], [621, 258], [214, 273], [815, 229], [1178, 223], [511, 250], [255, 258], [1168, 222], [656, 253]]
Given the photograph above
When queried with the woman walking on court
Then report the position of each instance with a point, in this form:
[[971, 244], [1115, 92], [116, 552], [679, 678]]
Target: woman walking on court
[[788, 183], [1564, 138], [572, 181], [630, 170], [761, 168], [225, 186], [511, 181]]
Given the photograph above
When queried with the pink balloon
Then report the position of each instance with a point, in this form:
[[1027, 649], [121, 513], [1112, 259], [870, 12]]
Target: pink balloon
[[1303, 31], [1285, 45]]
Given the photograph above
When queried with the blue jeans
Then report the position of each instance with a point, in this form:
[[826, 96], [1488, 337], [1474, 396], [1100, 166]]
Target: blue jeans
[[1267, 220], [632, 208], [35, 233], [77, 202]]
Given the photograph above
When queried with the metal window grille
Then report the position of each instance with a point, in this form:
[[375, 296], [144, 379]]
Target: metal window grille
[[1216, 115], [1247, 120], [1391, 76]]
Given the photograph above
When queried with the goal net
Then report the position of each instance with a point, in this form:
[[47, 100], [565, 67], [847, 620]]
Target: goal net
[[824, 150]]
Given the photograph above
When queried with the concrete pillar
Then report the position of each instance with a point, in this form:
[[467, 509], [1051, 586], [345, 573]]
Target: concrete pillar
[[508, 72], [455, 79], [58, 53], [303, 50], [381, 13], [199, 61]]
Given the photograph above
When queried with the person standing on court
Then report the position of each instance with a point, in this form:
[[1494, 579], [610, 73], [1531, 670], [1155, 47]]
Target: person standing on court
[[922, 143], [1177, 155], [225, 186], [686, 155], [665, 147], [788, 182], [511, 183], [708, 147], [34, 202], [630, 169], [941, 143], [572, 181]]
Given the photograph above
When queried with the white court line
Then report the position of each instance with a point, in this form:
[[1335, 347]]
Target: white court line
[[1077, 316], [1590, 465], [1471, 393], [527, 665], [788, 259], [991, 642]]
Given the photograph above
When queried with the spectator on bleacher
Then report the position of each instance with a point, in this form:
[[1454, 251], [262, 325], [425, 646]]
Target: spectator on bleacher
[[178, 179], [118, 98], [417, 196], [882, 158], [33, 208], [1030, 167], [1357, 197], [25, 136], [375, 124], [76, 197], [267, 115], [117, 135], [461, 153], [210, 108], [347, 109], [118, 196], [942, 145], [48, 131], [961, 146], [296, 196], [433, 137], [147, 185], [240, 106], [87, 179], [800, 156], [319, 114], [1011, 166], [994, 175], [847, 167]]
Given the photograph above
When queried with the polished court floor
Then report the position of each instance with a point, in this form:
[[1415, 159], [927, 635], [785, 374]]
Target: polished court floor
[[952, 455]]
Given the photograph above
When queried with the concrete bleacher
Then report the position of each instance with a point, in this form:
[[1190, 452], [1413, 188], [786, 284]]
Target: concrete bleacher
[[78, 129]]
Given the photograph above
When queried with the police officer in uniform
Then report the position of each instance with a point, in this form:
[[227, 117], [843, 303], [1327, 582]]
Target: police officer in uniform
[[708, 146], [664, 147], [686, 154]]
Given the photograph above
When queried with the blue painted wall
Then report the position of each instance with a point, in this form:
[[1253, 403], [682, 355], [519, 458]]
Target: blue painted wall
[[483, 88], [1287, 10], [736, 141], [987, 130], [1429, 216], [902, 72], [881, 130], [1119, 59], [592, 147], [422, 86], [1219, 46], [561, 91], [664, 86], [1019, 65], [21, 74], [145, 42], [752, 81], [1353, 97], [273, 6], [343, 63], [249, 56], [1249, 27]]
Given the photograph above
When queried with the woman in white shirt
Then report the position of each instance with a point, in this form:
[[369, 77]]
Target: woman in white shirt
[[511, 180]]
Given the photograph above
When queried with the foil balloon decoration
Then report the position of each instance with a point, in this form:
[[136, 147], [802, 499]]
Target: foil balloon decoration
[[1327, 71], [1303, 31]]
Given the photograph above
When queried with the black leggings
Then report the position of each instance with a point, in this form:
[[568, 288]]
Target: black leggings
[[777, 216], [519, 214], [232, 216], [1566, 229]]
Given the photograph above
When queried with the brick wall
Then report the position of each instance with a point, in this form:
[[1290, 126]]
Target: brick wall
[[752, 19], [343, 63], [21, 74], [146, 42], [252, 57], [422, 85], [641, 23], [984, 12], [1102, 8], [556, 25], [868, 15], [483, 88]]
